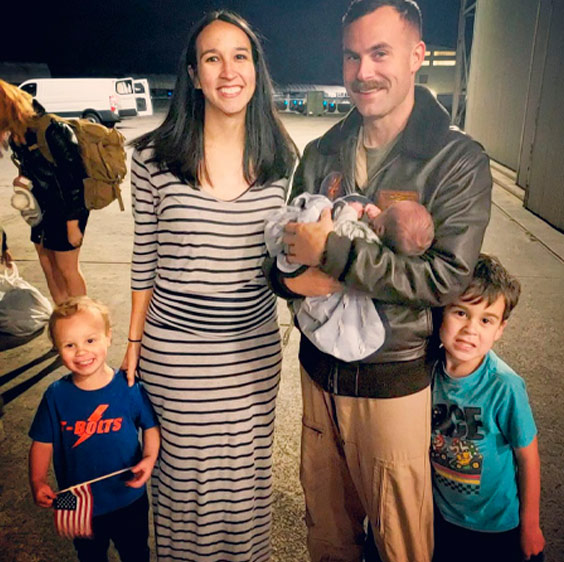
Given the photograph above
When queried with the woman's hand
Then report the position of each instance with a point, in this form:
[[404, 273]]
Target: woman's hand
[[6, 258], [4, 142], [130, 361], [74, 234]]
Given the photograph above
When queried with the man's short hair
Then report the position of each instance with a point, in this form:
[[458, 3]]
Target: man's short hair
[[489, 281], [407, 9], [73, 306]]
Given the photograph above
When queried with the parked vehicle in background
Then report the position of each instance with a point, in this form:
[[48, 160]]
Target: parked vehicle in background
[[100, 100], [127, 105], [143, 97]]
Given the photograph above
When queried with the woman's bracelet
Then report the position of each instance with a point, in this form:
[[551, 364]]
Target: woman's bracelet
[[133, 341]]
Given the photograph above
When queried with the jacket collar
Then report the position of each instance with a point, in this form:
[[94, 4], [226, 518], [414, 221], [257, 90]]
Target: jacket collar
[[422, 137]]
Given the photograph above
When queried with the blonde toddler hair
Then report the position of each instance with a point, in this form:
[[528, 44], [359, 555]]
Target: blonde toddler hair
[[74, 305]]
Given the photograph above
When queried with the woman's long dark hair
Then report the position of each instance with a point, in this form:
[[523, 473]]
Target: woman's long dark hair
[[179, 142]]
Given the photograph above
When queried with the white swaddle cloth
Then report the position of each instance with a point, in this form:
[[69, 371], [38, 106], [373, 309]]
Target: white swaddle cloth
[[345, 325]]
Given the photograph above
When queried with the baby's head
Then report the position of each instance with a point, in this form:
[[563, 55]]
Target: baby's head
[[406, 227], [80, 330]]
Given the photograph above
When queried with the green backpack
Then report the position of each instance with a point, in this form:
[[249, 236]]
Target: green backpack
[[103, 156]]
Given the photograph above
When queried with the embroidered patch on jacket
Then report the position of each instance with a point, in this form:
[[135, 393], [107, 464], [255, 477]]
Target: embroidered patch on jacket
[[388, 196], [332, 186]]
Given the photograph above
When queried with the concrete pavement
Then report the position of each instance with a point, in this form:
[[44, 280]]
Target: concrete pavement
[[532, 344]]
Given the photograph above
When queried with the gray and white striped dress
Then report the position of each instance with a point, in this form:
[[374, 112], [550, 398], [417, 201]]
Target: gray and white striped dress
[[210, 361]]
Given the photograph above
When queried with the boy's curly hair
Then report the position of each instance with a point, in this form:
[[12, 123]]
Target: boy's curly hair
[[489, 281], [74, 305]]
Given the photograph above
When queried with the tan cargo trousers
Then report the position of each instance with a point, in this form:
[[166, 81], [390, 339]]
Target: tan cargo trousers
[[366, 457]]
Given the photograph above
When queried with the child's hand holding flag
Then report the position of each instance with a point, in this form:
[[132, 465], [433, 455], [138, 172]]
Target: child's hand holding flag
[[74, 506], [73, 512]]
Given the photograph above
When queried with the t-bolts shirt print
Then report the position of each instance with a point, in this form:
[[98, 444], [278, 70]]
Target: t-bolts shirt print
[[94, 433], [84, 429]]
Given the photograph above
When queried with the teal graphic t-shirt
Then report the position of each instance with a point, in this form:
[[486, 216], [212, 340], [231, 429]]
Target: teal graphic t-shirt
[[477, 421]]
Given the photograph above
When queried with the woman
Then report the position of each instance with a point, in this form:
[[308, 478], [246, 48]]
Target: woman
[[203, 324], [57, 188]]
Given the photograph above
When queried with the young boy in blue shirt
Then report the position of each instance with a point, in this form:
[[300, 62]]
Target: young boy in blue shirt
[[88, 422], [484, 452]]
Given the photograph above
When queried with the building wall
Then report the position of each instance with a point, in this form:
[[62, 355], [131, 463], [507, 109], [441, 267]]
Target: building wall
[[499, 76], [542, 162], [438, 70]]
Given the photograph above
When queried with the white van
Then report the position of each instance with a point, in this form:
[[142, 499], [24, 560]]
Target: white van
[[143, 97], [100, 100]]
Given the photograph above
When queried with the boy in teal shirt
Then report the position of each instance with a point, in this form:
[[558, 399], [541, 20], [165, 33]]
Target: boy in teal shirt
[[484, 452]]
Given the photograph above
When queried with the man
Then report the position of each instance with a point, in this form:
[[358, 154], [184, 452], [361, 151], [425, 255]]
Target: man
[[366, 425]]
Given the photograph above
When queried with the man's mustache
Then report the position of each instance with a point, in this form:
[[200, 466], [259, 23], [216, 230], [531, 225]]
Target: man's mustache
[[359, 86]]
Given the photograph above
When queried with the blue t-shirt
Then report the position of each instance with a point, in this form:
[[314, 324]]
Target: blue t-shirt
[[95, 432], [477, 422]]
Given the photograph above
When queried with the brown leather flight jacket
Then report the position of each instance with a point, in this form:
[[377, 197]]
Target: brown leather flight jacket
[[433, 163]]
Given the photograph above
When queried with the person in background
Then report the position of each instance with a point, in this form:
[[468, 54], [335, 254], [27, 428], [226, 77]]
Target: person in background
[[203, 332], [57, 188], [6, 257]]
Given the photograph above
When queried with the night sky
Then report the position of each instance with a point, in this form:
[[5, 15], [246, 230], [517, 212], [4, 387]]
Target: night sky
[[122, 37]]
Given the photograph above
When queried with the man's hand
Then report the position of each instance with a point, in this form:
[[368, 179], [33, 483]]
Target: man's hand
[[43, 494], [305, 242], [313, 283], [74, 234]]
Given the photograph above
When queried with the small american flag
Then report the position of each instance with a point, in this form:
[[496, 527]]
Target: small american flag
[[73, 512]]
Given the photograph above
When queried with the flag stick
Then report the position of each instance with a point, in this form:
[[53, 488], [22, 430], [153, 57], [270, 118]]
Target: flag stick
[[94, 480]]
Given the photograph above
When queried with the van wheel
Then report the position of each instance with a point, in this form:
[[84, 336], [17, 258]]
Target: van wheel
[[92, 117]]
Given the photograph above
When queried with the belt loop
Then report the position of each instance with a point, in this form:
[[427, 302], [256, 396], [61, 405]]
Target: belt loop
[[356, 375]]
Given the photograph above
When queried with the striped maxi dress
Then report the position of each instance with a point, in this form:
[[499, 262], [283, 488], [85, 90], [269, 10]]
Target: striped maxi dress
[[210, 362]]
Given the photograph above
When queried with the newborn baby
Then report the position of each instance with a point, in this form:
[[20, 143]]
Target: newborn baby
[[335, 324]]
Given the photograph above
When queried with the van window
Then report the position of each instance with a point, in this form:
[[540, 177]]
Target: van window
[[30, 88], [124, 87], [139, 88]]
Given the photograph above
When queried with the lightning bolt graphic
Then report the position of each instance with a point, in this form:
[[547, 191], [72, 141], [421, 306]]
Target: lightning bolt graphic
[[95, 416]]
